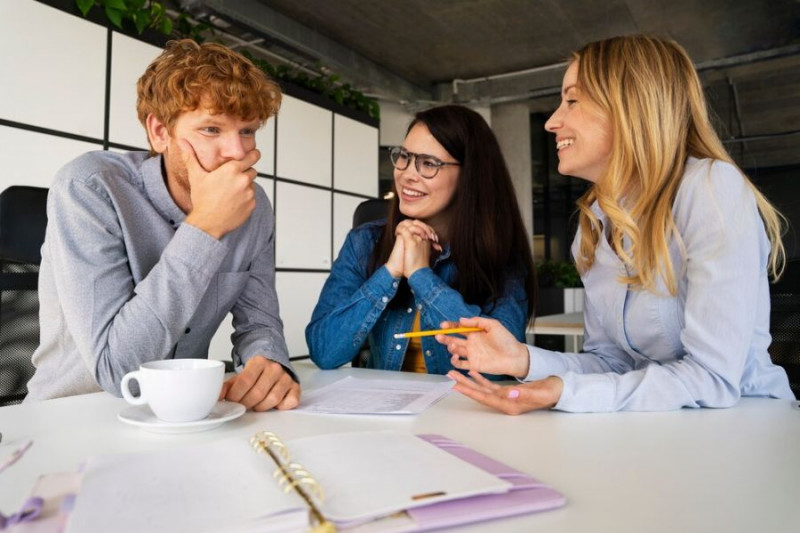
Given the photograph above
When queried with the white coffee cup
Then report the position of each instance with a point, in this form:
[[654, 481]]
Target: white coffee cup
[[177, 390]]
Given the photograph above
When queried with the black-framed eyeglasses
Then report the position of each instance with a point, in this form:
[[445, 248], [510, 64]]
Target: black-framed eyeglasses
[[427, 165]]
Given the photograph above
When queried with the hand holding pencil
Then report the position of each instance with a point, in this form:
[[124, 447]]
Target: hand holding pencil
[[492, 349]]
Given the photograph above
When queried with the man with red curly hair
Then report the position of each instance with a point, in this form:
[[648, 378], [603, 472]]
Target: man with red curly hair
[[145, 254]]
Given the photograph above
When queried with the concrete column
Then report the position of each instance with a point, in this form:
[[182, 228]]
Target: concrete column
[[511, 125], [395, 119]]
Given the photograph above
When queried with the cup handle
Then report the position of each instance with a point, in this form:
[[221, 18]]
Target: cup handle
[[126, 393]]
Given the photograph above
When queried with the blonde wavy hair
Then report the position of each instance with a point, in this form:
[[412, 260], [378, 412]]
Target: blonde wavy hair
[[187, 75], [653, 97]]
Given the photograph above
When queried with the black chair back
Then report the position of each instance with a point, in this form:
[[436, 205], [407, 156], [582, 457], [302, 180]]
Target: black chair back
[[369, 210], [785, 323], [23, 219]]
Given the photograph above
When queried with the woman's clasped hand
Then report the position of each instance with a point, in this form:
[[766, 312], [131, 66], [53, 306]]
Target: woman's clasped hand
[[414, 243]]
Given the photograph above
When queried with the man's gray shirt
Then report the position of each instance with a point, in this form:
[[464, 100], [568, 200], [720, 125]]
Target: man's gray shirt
[[124, 281]]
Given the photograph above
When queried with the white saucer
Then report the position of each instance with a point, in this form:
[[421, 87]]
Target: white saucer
[[142, 416]]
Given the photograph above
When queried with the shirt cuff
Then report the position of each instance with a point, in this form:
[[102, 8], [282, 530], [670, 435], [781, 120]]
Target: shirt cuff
[[425, 284], [197, 249], [544, 363], [381, 286], [586, 393]]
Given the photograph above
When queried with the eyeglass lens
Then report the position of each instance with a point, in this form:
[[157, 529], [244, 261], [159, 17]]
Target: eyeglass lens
[[427, 166]]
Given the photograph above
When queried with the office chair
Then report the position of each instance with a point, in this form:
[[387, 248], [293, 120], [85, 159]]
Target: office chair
[[785, 323], [23, 218], [367, 211]]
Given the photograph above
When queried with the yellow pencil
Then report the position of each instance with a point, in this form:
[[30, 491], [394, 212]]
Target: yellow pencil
[[413, 334]]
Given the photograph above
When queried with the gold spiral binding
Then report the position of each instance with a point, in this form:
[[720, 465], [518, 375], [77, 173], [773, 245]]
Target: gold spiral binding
[[294, 476]]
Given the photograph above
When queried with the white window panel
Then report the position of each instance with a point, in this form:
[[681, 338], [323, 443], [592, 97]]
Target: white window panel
[[304, 142], [265, 142], [355, 156], [269, 187], [221, 347], [298, 294], [343, 208], [129, 59], [30, 158], [303, 227], [53, 68]]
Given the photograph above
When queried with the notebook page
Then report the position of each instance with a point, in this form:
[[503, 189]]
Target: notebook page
[[351, 395], [369, 474], [210, 487]]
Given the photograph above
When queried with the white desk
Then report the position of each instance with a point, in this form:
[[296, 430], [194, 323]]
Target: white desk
[[567, 324], [728, 470]]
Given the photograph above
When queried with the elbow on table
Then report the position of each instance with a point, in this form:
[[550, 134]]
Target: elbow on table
[[726, 396], [323, 359], [108, 374]]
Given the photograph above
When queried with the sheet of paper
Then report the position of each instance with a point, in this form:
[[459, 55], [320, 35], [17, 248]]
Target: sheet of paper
[[370, 474], [204, 488], [374, 396]]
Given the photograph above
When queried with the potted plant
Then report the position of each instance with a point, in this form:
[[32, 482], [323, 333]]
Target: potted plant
[[161, 17], [560, 289]]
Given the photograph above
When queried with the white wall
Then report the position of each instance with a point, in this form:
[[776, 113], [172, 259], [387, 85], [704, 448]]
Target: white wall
[[316, 164]]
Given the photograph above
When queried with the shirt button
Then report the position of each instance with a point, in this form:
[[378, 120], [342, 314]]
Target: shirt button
[[172, 222], [394, 284], [384, 299], [188, 330], [398, 347], [419, 307], [410, 310], [428, 353]]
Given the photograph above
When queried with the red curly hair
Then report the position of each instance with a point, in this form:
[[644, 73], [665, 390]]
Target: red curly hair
[[187, 75]]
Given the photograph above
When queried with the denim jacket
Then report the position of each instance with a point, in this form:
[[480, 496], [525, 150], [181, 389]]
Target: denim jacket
[[354, 306]]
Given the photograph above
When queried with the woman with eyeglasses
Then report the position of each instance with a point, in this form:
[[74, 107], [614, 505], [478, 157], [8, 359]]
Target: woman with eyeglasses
[[453, 245], [675, 248]]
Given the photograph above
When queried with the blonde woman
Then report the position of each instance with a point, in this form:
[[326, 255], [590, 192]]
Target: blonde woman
[[675, 249]]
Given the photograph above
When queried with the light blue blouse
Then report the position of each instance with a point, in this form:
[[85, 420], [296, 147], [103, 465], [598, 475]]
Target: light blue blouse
[[704, 347]]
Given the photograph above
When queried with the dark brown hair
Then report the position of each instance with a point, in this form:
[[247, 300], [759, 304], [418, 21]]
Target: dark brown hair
[[488, 242]]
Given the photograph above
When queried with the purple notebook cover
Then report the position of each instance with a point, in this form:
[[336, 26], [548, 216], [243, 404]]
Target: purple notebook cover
[[526, 496]]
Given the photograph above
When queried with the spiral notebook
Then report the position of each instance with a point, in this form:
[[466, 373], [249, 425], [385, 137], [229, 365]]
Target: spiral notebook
[[360, 481]]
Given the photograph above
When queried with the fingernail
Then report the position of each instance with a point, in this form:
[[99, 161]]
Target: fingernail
[[513, 393]]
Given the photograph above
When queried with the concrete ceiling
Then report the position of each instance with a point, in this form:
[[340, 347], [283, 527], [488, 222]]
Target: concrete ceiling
[[492, 51]]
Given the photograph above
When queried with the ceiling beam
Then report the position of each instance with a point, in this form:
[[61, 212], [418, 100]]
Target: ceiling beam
[[360, 71], [545, 81]]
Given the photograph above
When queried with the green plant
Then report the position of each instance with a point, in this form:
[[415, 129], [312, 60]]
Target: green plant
[[559, 274], [144, 14], [141, 13], [343, 94]]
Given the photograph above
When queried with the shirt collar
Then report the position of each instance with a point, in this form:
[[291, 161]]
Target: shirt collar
[[156, 187]]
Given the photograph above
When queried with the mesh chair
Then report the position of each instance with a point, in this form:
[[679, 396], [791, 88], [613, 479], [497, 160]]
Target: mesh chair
[[367, 211], [785, 323], [23, 218]]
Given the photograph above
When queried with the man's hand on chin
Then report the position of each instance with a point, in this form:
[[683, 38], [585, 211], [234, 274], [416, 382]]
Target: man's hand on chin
[[261, 386]]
